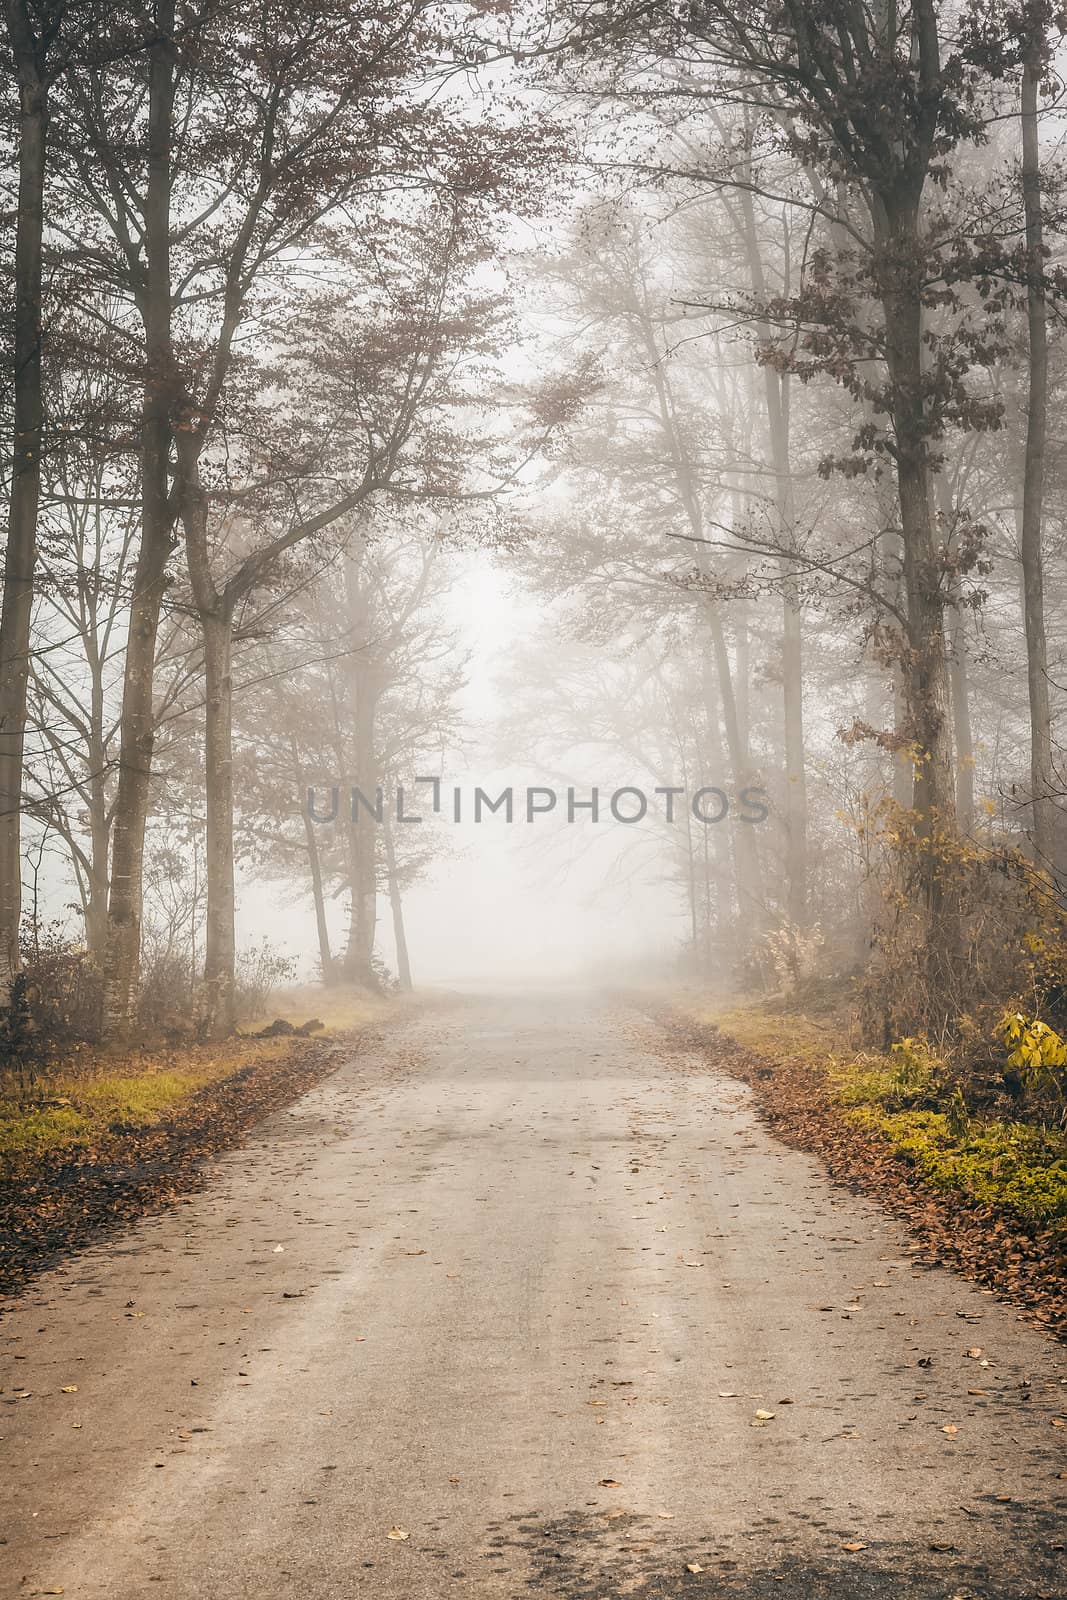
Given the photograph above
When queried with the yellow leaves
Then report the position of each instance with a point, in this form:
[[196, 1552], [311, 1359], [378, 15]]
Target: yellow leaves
[[1032, 1043], [853, 1545], [398, 1534], [69, 1388], [950, 1429], [693, 1566]]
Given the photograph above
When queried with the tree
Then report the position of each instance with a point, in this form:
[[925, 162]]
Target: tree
[[37, 55]]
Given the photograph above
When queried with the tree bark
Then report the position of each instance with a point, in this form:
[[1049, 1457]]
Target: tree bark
[[925, 670], [21, 556], [958, 676], [137, 724], [1046, 822]]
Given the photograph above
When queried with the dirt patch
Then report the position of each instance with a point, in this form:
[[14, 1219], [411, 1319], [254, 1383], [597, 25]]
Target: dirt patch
[[986, 1244]]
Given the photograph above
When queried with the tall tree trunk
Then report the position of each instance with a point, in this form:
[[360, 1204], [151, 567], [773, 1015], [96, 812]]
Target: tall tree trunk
[[137, 724], [220, 953], [21, 557], [925, 670], [957, 671], [396, 903], [322, 927], [362, 843], [746, 854], [1046, 820]]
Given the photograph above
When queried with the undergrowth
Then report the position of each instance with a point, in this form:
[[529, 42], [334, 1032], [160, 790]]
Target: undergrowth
[[914, 1100]]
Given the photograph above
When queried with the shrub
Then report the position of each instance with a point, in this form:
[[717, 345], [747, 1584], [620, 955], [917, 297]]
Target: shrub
[[259, 971]]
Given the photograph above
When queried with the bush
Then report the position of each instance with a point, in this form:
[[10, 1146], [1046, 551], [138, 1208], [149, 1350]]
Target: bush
[[164, 1003], [56, 997], [259, 971]]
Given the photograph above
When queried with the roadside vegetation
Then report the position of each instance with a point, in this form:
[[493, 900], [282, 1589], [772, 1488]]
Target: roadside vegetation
[[993, 1144]]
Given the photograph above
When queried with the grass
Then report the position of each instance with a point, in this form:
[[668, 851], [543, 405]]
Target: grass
[[904, 1099], [94, 1091]]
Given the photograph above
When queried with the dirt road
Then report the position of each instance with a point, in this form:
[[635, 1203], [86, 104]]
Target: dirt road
[[525, 1303]]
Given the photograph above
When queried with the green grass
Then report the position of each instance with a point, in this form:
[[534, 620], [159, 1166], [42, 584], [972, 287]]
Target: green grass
[[70, 1110], [88, 1107]]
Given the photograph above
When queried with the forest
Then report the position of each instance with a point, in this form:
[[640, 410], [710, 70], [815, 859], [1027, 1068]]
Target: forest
[[533, 798], [733, 336]]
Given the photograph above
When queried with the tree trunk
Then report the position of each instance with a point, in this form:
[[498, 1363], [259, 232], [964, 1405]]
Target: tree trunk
[[322, 928], [400, 938], [925, 671], [137, 723], [21, 556], [1042, 777], [957, 671], [220, 954], [749, 878], [362, 844]]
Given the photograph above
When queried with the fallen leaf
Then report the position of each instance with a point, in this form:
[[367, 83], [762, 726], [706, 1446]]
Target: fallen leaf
[[398, 1534], [693, 1566], [608, 1483], [765, 1416], [69, 1388], [854, 1545], [950, 1428]]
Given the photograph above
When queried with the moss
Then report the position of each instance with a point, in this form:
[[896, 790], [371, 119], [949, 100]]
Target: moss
[[995, 1163]]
